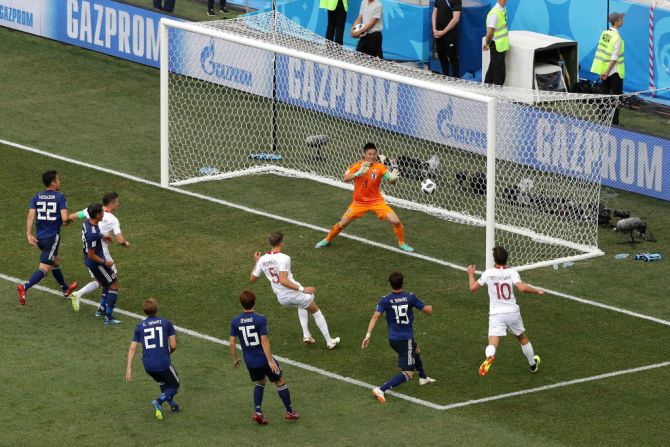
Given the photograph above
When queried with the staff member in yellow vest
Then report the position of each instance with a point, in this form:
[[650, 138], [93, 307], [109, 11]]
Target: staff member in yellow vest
[[337, 18], [609, 63], [497, 40]]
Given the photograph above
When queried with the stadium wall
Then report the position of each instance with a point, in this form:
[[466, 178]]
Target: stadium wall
[[631, 161]]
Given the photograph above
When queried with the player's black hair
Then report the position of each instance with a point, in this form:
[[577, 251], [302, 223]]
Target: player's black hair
[[396, 279], [49, 177], [94, 210], [276, 238], [369, 145], [150, 307], [109, 197], [247, 299], [500, 255]]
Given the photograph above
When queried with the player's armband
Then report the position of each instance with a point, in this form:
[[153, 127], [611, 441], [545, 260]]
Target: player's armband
[[83, 214]]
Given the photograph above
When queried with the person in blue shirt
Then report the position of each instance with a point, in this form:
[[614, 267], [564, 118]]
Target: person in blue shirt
[[158, 339], [252, 331], [94, 260], [400, 317], [48, 212]]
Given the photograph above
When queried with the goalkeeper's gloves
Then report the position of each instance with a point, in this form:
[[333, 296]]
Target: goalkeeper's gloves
[[363, 169], [394, 176]]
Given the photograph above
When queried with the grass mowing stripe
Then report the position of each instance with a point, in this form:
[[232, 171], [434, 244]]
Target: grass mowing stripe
[[219, 341], [312, 227], [362, 384]]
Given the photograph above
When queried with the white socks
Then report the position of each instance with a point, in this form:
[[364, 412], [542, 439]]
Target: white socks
[[490, 351], [528, 352], [320, 321], [88, 288], [303, 316]]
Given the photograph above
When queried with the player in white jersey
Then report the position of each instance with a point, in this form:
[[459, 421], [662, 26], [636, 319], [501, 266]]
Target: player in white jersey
[[504, 313], [277, 268], [110, 228]]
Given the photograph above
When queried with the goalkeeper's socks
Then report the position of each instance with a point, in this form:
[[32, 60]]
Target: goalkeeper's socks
[[399, 231], [58, 276], [395, 381], [418, 365], [320, 321], [527, 350], [334, 232], [36, 277]]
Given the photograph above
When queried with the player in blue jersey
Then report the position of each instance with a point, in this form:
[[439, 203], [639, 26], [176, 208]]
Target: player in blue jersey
[[48, 211], [252, 330], [158, 340], [400, 317], [94, 259]]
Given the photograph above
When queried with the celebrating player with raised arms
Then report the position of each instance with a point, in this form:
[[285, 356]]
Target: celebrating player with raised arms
[[277, 268], [94, 259], [109, 227], [367, 175], [398, 307], [158, 340], [48, 211], [504, 313], [252, 331]]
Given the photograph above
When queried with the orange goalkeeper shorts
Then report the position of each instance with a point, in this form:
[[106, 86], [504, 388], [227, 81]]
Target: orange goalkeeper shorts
[[357, 210]]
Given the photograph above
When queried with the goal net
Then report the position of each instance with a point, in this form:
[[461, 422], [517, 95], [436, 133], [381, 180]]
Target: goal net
[[261, 95]]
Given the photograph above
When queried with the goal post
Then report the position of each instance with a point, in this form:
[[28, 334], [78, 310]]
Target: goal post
[[287, 102]]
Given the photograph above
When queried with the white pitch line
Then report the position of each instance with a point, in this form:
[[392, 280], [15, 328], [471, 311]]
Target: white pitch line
[[310, 226], [366, 385], [555, 385], [283, 360]]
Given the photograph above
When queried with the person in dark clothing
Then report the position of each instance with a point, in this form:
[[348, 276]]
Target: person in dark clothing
[[446, 15], [167, 5], [337, 19]]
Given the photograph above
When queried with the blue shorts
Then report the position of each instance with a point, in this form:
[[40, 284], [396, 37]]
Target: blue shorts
[[49, 247], [103, 274], [262, 372], [406, 350], [167, 378]]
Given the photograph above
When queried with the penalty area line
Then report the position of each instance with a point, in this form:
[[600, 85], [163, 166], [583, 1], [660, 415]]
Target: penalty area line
[[283, 360], [310, 226]]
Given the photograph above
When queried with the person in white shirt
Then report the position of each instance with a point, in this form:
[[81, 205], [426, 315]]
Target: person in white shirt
[[277, 268], [109, 227], [504, 313], [370, 35]]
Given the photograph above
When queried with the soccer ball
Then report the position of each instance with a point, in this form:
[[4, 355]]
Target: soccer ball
[[428, 186], [358, 27]]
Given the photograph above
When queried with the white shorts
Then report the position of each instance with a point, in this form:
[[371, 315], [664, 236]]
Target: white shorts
[[294, 298], [500, 323]]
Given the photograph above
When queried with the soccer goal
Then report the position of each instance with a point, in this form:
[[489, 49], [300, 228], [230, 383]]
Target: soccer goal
[[261, 95]]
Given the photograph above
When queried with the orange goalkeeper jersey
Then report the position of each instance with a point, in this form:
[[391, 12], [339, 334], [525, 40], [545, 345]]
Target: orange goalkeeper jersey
[[366, 187]]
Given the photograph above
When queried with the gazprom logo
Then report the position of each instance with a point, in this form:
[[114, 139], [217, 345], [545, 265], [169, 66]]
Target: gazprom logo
[[457, 134], [224, 72], [18, 16]]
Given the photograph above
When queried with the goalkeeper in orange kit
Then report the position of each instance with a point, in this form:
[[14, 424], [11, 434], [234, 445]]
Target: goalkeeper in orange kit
[[367, 175]]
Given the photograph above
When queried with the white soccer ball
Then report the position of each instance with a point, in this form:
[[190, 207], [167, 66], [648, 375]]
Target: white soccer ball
[[358, 27], [428, 186]]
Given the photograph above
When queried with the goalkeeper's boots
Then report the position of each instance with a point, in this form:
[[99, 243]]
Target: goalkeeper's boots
[[484, 368], [75, 301], [21, 290], [534, 367], [259, 418], [67, 292], [407, 248], [322, 243], [158, 408]]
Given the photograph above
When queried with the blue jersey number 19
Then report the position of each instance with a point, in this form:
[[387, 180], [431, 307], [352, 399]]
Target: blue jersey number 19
[[401, 314]]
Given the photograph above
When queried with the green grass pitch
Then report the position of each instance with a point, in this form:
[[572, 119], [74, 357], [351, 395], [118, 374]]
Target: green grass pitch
[[62, 373]]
